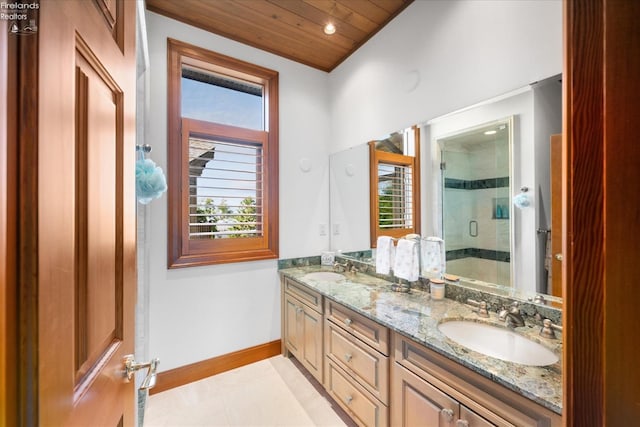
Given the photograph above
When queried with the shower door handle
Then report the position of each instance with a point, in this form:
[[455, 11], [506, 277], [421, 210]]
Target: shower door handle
[[473, 228]]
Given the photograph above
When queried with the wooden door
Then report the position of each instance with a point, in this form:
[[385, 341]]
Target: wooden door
[[85, 213], [556, 214]]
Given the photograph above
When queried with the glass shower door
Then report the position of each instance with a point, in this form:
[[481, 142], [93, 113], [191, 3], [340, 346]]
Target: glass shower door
[[476, 203]]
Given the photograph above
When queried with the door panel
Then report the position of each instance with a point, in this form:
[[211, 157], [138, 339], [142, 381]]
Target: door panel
[[292, 334], [98, 323], [416, 403], [556, 214], [312, 336], [86, 214]]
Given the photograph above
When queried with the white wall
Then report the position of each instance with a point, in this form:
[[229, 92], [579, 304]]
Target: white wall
[[349, 184], [440, 56], [202, 312]]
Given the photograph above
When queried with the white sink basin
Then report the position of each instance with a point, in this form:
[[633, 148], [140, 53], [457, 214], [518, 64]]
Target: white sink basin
[[498, 342], [326, 276]]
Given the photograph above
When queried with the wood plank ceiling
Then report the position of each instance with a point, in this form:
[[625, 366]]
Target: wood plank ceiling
[[289, 28]]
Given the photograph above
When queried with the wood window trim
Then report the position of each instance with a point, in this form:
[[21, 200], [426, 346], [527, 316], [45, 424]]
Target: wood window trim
[[182, 252], [375, 158]]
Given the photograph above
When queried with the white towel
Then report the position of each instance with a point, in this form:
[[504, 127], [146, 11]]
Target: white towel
[[407, 264], [384, 254], [434, 258]]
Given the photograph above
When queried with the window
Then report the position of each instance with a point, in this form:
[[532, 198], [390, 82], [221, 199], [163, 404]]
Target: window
[[223, 158], [394, 164]]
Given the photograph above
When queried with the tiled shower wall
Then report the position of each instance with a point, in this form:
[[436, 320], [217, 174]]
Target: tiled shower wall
[[476, 180]]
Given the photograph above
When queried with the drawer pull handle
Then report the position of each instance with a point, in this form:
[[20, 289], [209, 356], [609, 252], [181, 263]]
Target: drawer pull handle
[[348, 400], [448, 414], [348, 321], [348, 357], [462, 423]]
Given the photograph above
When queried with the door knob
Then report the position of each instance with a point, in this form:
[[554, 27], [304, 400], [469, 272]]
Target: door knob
[[448, 414], [131, 366], [559, 257]]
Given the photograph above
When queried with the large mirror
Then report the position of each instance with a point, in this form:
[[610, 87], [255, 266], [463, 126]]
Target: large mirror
[[470, 178]]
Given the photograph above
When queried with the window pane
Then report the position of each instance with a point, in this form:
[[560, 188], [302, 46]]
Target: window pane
[[220, 99], [225, 189], [395, 204], [402, 142]]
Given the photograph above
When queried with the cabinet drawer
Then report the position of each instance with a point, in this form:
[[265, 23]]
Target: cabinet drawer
[[308, 296], [365, 409], [377, 336], [366, 365], [486, 398]]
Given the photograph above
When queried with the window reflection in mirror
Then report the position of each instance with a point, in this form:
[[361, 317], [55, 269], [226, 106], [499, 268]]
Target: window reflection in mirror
[[395, 185]]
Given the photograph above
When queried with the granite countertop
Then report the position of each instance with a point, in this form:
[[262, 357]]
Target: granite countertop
[[416, 316]]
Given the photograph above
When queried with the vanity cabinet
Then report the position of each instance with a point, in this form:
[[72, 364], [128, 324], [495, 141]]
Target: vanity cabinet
[[357, 364], [302, 326], [428, 389], [383, 378]]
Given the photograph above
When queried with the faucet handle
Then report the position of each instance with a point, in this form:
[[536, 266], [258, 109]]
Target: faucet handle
[[481, 307], [515, 307], [548, 327]]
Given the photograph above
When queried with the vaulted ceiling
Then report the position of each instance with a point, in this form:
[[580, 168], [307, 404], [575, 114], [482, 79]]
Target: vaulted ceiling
[[289, 28]]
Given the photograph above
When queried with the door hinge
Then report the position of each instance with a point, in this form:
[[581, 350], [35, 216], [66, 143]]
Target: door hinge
[[443, 165]]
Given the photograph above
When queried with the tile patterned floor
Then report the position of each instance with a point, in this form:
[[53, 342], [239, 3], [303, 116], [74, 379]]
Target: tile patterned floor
[[272, 392]]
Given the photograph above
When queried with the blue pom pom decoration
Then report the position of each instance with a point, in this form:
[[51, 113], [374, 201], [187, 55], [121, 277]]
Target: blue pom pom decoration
[[521, 200], [150, 181]]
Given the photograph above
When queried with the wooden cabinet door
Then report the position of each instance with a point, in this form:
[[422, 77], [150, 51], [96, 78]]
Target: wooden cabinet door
[[416, 403], [84, 210], [311, 334], [291, 329], [303, 334], [471, 419]]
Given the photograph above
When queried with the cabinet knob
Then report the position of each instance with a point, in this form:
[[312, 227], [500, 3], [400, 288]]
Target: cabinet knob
[[448, 414], [348, 400], [462, 423], [348, 321], [348, 357], [299, 309]]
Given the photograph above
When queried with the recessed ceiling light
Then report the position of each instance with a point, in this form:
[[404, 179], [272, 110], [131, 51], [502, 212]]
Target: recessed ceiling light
[[490, 132], [329, 29]]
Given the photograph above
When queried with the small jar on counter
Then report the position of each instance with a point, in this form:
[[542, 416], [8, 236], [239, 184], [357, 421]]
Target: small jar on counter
[[436, 287]]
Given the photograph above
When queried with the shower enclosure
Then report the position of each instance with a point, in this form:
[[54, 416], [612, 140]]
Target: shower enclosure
[[476, 202]]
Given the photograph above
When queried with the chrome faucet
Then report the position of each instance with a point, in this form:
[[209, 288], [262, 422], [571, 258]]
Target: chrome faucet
[[347, 267], [481, 307], [548, 327], [513, 316]]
